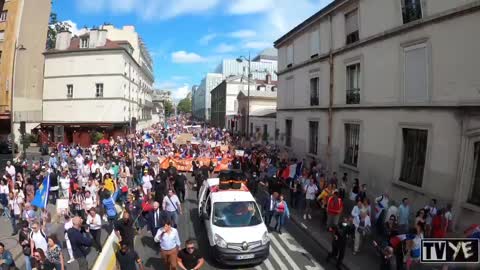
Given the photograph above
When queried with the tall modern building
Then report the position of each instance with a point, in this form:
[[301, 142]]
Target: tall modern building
[[261, 65], [388, 92], [95, 83], [23, 34]]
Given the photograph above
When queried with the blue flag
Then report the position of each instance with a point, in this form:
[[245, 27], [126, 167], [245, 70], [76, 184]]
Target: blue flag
[[41, 196]]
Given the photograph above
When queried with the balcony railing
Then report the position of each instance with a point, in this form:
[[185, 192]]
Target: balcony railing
[[411, 11], [353, 96], [314, 101]]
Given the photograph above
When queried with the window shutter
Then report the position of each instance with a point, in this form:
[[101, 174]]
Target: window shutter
[[351, 22], [315, 42], [416, 86], [290, 54]]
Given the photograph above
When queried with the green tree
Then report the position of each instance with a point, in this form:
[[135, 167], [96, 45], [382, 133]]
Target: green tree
[[54, 27], [185, 105], [168, 106]]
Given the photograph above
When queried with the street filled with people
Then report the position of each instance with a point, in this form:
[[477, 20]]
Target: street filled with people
[[141, 184]]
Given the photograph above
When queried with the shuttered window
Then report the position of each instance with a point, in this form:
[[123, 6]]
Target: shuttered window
[[314, 43], [352, 139], [313, 137], [414, 155], [475, 192], [351, 26], [290, 55], [416, 72]]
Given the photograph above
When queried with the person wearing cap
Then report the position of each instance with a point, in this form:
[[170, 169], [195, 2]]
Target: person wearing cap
[[146, 182], [334, 209]]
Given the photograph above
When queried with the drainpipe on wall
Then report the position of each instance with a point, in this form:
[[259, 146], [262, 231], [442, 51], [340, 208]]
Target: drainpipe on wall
[[330, 102]]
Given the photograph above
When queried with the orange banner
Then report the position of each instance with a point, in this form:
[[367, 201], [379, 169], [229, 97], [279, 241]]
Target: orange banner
[[185, 164]]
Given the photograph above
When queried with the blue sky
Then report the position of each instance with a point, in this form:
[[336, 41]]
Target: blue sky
[[188, 38]]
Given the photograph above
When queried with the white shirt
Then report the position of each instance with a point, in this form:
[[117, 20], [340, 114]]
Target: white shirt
[[94, 223], [64, 182], [310, 191], [11, 170], [167, 203], [4, 189], [356, 221], [15, 205], [89, 203], [39, 240]]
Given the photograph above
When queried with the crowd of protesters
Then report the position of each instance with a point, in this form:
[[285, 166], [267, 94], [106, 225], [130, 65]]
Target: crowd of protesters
[[125, 176]]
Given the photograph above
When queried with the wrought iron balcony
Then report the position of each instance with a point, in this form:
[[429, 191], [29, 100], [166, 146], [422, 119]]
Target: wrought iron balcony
[[353, 96], [411, 11]]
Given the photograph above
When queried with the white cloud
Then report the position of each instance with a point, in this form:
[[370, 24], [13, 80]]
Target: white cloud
[[207, 38], [181, 92], [74, 27], [148, 9], [186, 57], [241, 7], [179, 78], [165, 85], [258, 45], [243, 33], [224, 48]]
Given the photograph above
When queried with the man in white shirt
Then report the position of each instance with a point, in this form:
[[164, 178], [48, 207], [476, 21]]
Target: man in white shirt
[[64, 181], [172, 207], [94, 223], [68, 225], [38, 239], [10, 170]]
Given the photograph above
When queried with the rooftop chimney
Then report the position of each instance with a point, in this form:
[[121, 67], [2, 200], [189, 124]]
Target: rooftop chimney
[[63, 40], [268, 78], [102, 37], [92, 43]]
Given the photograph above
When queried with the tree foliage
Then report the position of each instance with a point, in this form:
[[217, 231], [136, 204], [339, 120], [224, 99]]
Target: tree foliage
[[185, 105], [54, 27], [168, 106]]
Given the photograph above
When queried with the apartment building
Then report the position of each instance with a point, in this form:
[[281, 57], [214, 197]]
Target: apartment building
[[23, 34], [91, 84], [262, 64], [387, 91]]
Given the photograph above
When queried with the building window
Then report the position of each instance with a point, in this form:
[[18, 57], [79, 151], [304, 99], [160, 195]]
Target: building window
[[414, 154], [99, 90], [3, 16], [69, 90], [411, 10], [84, 43], [475, 192], [314, 92], [416, 73], [251, 129], [288, 132], [274, 89], [2, 35], [351, 26], [352, 140], [353, 84], [290, 55], [314, 43], [265, 132], [312, 137]]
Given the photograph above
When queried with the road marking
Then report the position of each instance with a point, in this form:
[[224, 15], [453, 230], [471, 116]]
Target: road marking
[[284, 253], [276, 257], [258, 267], [303, 225], [269, 264], [287, 239]]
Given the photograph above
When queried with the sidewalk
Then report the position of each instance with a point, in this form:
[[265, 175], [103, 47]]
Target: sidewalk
[[366, 258]]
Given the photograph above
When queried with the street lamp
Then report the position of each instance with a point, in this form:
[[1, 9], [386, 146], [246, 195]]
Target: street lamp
[[249, 60], [17, 49]]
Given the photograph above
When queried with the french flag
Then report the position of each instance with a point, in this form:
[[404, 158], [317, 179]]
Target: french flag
[[397, 239]]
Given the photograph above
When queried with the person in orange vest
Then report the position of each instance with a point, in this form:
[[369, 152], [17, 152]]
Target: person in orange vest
[[334, 209]]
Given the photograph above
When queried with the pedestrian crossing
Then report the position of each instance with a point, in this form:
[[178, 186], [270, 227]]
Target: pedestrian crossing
[[286, 253]]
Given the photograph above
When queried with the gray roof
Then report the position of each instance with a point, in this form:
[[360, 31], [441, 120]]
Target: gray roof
[[268, 54], [254, 93], [271, 113]]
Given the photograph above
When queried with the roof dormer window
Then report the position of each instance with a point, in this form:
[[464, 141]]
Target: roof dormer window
[[84, 42]]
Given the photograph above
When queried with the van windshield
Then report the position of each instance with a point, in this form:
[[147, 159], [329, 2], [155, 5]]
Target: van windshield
[[236, 214]]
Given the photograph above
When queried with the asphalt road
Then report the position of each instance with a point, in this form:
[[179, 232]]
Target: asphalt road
[[286, 252]]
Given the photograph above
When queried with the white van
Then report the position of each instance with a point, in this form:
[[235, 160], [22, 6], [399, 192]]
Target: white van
[[234, 224]]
